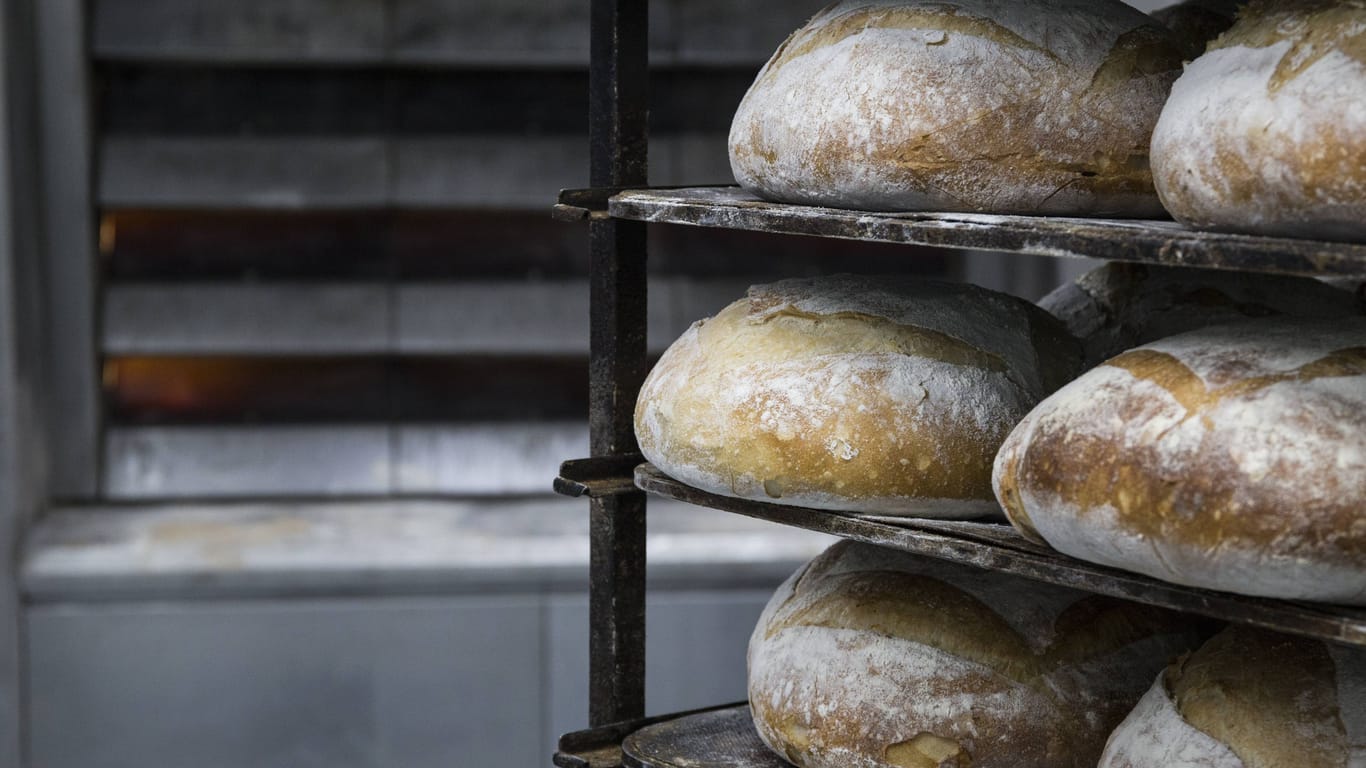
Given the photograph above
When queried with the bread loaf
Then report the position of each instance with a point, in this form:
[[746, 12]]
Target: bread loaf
[[870, 394], [1119, 306], [875, 658], [1005, 106], [1232, 458], [1265, 133], [1250, 699]]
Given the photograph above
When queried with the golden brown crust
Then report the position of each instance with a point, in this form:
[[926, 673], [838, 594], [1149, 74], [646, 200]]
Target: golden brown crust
[[1271, 698], [906, 139], [817, 400], [876, 658], [1233, 458], [1264, 133], [1090, 472]]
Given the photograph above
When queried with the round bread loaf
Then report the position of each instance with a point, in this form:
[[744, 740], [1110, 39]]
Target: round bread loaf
[[867, 394], [1232, 458], [1265, 133], [1004, 106], [873, 658], [1119, 306], [1196, 22], [1250, 699]]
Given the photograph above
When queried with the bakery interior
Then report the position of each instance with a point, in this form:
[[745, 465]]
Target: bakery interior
[[295, 329]]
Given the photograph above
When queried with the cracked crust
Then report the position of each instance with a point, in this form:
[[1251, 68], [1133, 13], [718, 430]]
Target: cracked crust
[[1231, 458], [871, 658], [871, 394], [1044, 106], [1249, 698], [1265, 132]]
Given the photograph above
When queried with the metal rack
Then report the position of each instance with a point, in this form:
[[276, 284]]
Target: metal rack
[[619, 206]]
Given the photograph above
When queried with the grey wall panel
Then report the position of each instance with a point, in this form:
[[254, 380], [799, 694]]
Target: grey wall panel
[[155, 462], [504, 318], [22, 443], [514, 31], [355, 683], [739, 31], [496, 458], [484, 458], [371, 172], [241, 30], [695, 652], [64, 122], [246, 319], [488, 172], [268, 173]]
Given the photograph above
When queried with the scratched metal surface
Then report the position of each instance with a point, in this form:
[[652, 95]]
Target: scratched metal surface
[[1157, 242], [723, 738], [999, 547]]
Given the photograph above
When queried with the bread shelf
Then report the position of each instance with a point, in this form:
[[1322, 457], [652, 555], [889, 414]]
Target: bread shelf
[[1154, 242], [719, 737], [618, 207], [998, 546]]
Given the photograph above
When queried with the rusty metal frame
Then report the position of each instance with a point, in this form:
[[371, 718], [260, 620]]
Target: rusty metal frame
[[618, 136]]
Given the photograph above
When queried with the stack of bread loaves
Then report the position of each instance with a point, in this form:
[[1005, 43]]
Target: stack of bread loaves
[[870, 394], [1002, 106], [1250, 699], [874, 658]]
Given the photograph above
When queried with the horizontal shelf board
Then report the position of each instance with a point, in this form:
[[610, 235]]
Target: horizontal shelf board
[[1158, 242], [334, 460], [723, 738], [270, 549], [433, 32], [323, 172], [999, 547], [476, 317]]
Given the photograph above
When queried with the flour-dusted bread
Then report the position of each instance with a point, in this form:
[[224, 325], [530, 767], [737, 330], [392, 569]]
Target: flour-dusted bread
[[1265, 133], [872, 658], [1196, 22], [1119, 306], [884, 395], [1004, 106], [1250, 699], [1232, 458]]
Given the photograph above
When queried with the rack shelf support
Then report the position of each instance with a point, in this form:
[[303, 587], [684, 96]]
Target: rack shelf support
[[618, 136]]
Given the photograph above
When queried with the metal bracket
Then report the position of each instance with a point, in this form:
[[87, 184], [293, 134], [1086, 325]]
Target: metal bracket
[[591, 203], [599, 477], [583, 204]]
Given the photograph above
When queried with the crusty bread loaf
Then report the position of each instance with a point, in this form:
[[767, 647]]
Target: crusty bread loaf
[[1119, 306], [1265, 133], [1232, 458], [1005, 106], [1195, 23], [870, 394], [869, 658], [1250, 699]]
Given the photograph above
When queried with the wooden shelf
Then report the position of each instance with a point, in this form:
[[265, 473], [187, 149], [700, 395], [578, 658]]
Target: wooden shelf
[[999, 547], [1154, 242]]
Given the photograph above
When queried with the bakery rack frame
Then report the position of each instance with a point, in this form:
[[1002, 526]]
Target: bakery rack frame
[[618, 207]]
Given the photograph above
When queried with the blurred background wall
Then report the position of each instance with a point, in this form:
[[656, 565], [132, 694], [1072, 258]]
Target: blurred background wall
[[291, 350]]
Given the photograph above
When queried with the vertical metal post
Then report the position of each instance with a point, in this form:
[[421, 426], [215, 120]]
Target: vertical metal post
[[69, 229], [618, 133], [22, 345]]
